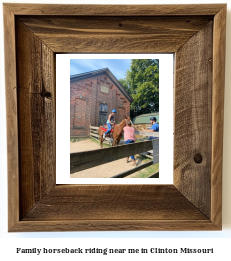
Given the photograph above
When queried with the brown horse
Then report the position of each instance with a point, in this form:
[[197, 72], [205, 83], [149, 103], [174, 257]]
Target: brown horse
[[117, 132]]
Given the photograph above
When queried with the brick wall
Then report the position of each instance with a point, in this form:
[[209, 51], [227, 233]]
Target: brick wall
[[85, 99]]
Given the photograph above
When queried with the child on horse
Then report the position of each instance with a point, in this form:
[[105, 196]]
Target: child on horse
[[111, 120]]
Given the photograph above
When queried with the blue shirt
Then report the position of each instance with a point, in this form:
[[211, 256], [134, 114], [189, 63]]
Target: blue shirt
[[155, 127]]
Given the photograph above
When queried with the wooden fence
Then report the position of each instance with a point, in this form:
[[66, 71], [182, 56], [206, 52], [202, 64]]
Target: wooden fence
[[88, 159], [94, 134]]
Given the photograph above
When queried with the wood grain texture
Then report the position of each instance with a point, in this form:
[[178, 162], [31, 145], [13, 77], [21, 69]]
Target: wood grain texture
[[115, 34], [46, 207], [113, 202], [35, 66], [218, 115], [11, 115], [114, 225], [114, 10], [193, 103]]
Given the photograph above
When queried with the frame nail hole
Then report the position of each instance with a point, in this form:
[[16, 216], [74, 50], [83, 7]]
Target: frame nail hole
[[198, 158], [46, 94]]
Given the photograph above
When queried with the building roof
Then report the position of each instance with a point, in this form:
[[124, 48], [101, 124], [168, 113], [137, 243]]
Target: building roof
[[145, 118], [81, 76]]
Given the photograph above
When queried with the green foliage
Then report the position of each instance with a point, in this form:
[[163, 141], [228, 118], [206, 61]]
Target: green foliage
[[125, 84], [74, 140], [142, 83], [145, 173]]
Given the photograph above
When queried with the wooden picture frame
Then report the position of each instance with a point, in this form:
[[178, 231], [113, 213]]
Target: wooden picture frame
[[33, 34]]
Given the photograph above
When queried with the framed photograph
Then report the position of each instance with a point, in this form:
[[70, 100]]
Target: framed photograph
[[92, 90], [34, 34]]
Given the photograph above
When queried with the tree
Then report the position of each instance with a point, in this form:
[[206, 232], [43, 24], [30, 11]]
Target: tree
[[142, 83], [125, 85]]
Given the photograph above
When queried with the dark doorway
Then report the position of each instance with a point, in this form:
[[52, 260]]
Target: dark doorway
[[103, 110]]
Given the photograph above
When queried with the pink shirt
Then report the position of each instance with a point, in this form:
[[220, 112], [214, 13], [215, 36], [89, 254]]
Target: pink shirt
[[129, 133]]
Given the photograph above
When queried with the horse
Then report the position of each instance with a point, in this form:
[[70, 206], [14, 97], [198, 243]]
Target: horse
[[117, 132]]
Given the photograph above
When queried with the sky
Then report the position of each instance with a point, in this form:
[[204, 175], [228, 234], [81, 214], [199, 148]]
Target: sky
[[118, 67]]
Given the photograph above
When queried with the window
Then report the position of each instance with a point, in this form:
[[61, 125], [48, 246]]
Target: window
[[103, 113]]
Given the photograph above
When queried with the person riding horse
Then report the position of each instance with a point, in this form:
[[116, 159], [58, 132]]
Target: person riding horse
[[117, 131], [111, 120]]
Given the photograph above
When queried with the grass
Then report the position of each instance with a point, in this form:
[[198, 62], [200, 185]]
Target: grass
[[104, 144], [144, 173], [79, 139], [141, 140], [74, 140], [96, 141]]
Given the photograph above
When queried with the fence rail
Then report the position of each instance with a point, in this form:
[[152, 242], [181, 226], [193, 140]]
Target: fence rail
[[94, 134], [130, 171], [89, 159], [147, 133]]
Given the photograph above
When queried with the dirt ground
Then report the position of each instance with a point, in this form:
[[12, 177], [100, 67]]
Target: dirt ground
[[102, 171]]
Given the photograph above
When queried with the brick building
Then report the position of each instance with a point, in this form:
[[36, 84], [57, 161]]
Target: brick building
[[92, 97]]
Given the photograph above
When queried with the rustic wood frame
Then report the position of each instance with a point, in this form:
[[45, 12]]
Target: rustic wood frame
[[196, 34]]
